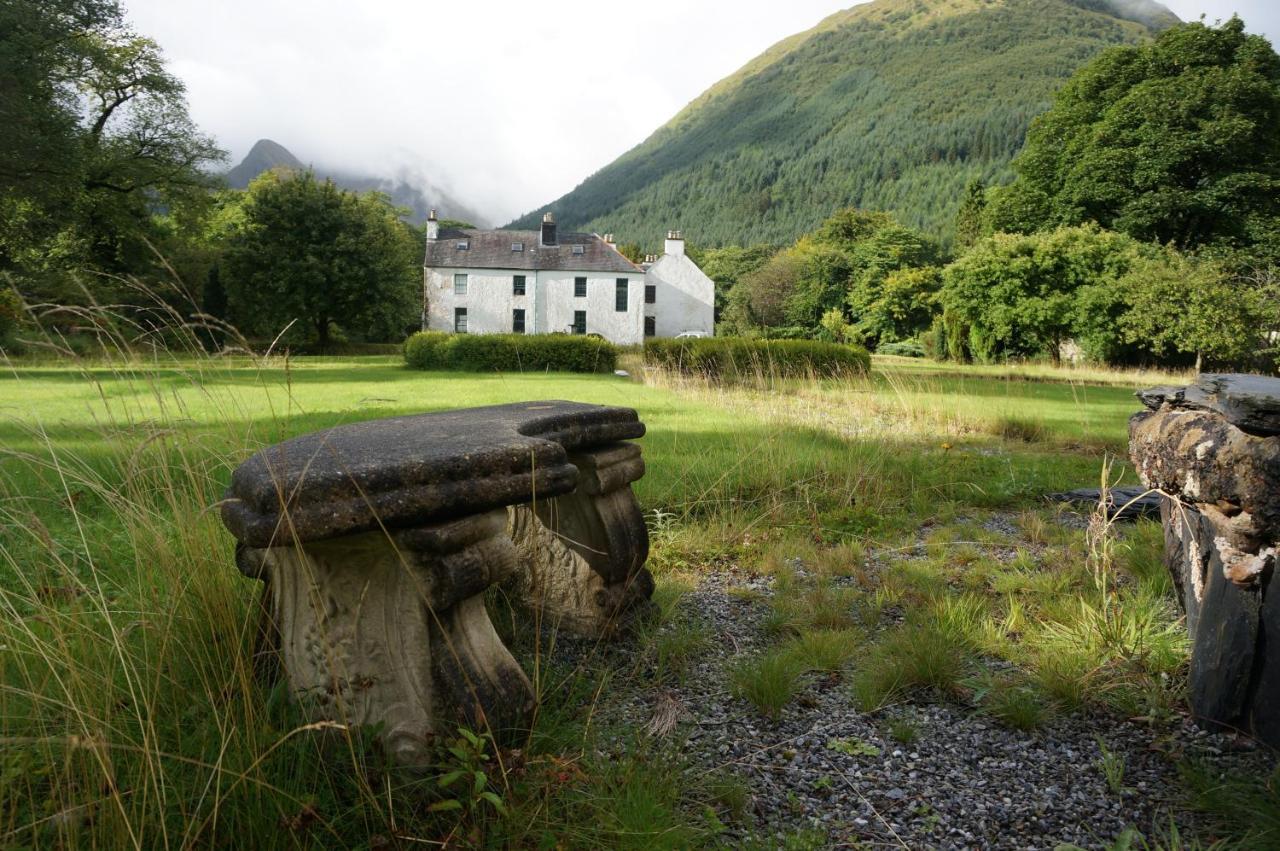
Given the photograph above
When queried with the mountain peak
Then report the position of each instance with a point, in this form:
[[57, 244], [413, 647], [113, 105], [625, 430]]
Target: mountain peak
[[263, 156], [413, 191]]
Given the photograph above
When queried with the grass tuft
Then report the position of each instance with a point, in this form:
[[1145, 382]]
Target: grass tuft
[[1018, 429], [768, 681], [826, 650]]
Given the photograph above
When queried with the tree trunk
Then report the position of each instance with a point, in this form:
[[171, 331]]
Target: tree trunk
[[322, 335], [1199, 361]]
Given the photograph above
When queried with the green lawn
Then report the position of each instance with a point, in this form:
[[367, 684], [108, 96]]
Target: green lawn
[[129, 712]]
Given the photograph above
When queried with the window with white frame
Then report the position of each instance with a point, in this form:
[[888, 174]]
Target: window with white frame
[[460, 284]]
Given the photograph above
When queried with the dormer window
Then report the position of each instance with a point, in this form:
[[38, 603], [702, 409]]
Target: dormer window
[[463, 245], [517, 246], [579, 249]]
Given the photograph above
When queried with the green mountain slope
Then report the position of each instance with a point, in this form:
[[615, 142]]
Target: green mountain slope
[[890, 105]]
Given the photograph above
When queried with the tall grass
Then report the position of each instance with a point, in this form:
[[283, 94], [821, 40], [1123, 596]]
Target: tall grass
[[131, 714]]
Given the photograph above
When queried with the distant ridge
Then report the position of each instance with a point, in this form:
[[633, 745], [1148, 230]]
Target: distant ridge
[[418, 195], [891, 105], [263, 156]]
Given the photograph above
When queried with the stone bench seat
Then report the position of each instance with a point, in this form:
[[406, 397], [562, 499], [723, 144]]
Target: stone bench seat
[[376, 542]]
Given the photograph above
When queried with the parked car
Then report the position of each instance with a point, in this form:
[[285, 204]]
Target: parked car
[[686, 334]]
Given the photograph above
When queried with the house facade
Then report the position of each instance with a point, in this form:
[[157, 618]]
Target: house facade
[[542, 282], [679, 297]]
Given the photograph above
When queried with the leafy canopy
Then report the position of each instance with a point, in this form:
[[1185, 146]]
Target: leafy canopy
[[1194, 306], [95, 139], [1017, 293], [305, 250], [1175, 141], [830, 279]]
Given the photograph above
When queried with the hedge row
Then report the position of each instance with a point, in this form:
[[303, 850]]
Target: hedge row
[[727, 356], [510, 352]]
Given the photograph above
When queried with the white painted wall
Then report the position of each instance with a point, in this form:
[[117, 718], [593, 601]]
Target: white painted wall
[[684, 297], [549, 302]]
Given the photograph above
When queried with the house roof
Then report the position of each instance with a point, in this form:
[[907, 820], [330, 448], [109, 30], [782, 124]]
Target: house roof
[[491, 249]]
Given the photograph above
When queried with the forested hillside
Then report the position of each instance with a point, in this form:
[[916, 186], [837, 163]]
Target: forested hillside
[[892, 105]]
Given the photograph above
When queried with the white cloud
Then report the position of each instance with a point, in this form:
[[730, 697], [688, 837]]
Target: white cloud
[[508, 104]]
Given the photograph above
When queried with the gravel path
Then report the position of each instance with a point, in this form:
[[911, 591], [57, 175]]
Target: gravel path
[[965, 782]]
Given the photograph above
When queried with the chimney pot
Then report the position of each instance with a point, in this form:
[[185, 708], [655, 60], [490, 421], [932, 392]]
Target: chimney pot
[[548, 236], [675, 242], [549, 217], [431, 217]]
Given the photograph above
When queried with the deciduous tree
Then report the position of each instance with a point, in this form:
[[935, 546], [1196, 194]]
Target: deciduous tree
[[1177, 303], [308, 251], [1017, 293], [1174, 141], [95, 139]]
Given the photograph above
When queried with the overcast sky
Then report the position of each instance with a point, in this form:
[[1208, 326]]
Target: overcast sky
[[507, 104]]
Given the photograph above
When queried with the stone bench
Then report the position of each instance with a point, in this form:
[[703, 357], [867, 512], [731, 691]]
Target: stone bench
[[1213, 449], [376, 542]]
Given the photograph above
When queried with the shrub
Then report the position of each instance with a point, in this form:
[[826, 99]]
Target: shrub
[[903, 348], [422, 350], [510, 352], [717, 357]]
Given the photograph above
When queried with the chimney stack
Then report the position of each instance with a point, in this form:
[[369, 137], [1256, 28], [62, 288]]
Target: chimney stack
[[675, 243], [433, 227], [549, 229]]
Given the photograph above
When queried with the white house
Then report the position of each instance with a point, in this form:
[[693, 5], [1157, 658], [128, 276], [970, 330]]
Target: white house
[[678, 297], [539, 282]]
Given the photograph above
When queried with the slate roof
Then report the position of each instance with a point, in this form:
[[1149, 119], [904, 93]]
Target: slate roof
[[491, 249]]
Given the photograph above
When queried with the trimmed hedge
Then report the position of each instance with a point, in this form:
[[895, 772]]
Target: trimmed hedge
[[510, 352], [727, 356]]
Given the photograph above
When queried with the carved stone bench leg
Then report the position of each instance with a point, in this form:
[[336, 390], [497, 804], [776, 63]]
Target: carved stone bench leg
[[583, 554], [393, 629]]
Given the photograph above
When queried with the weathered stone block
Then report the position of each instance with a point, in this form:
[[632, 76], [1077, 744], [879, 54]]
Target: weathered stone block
[[1213, 450]]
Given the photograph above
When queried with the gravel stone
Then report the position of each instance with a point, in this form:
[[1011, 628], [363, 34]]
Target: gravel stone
[[966, 782]]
